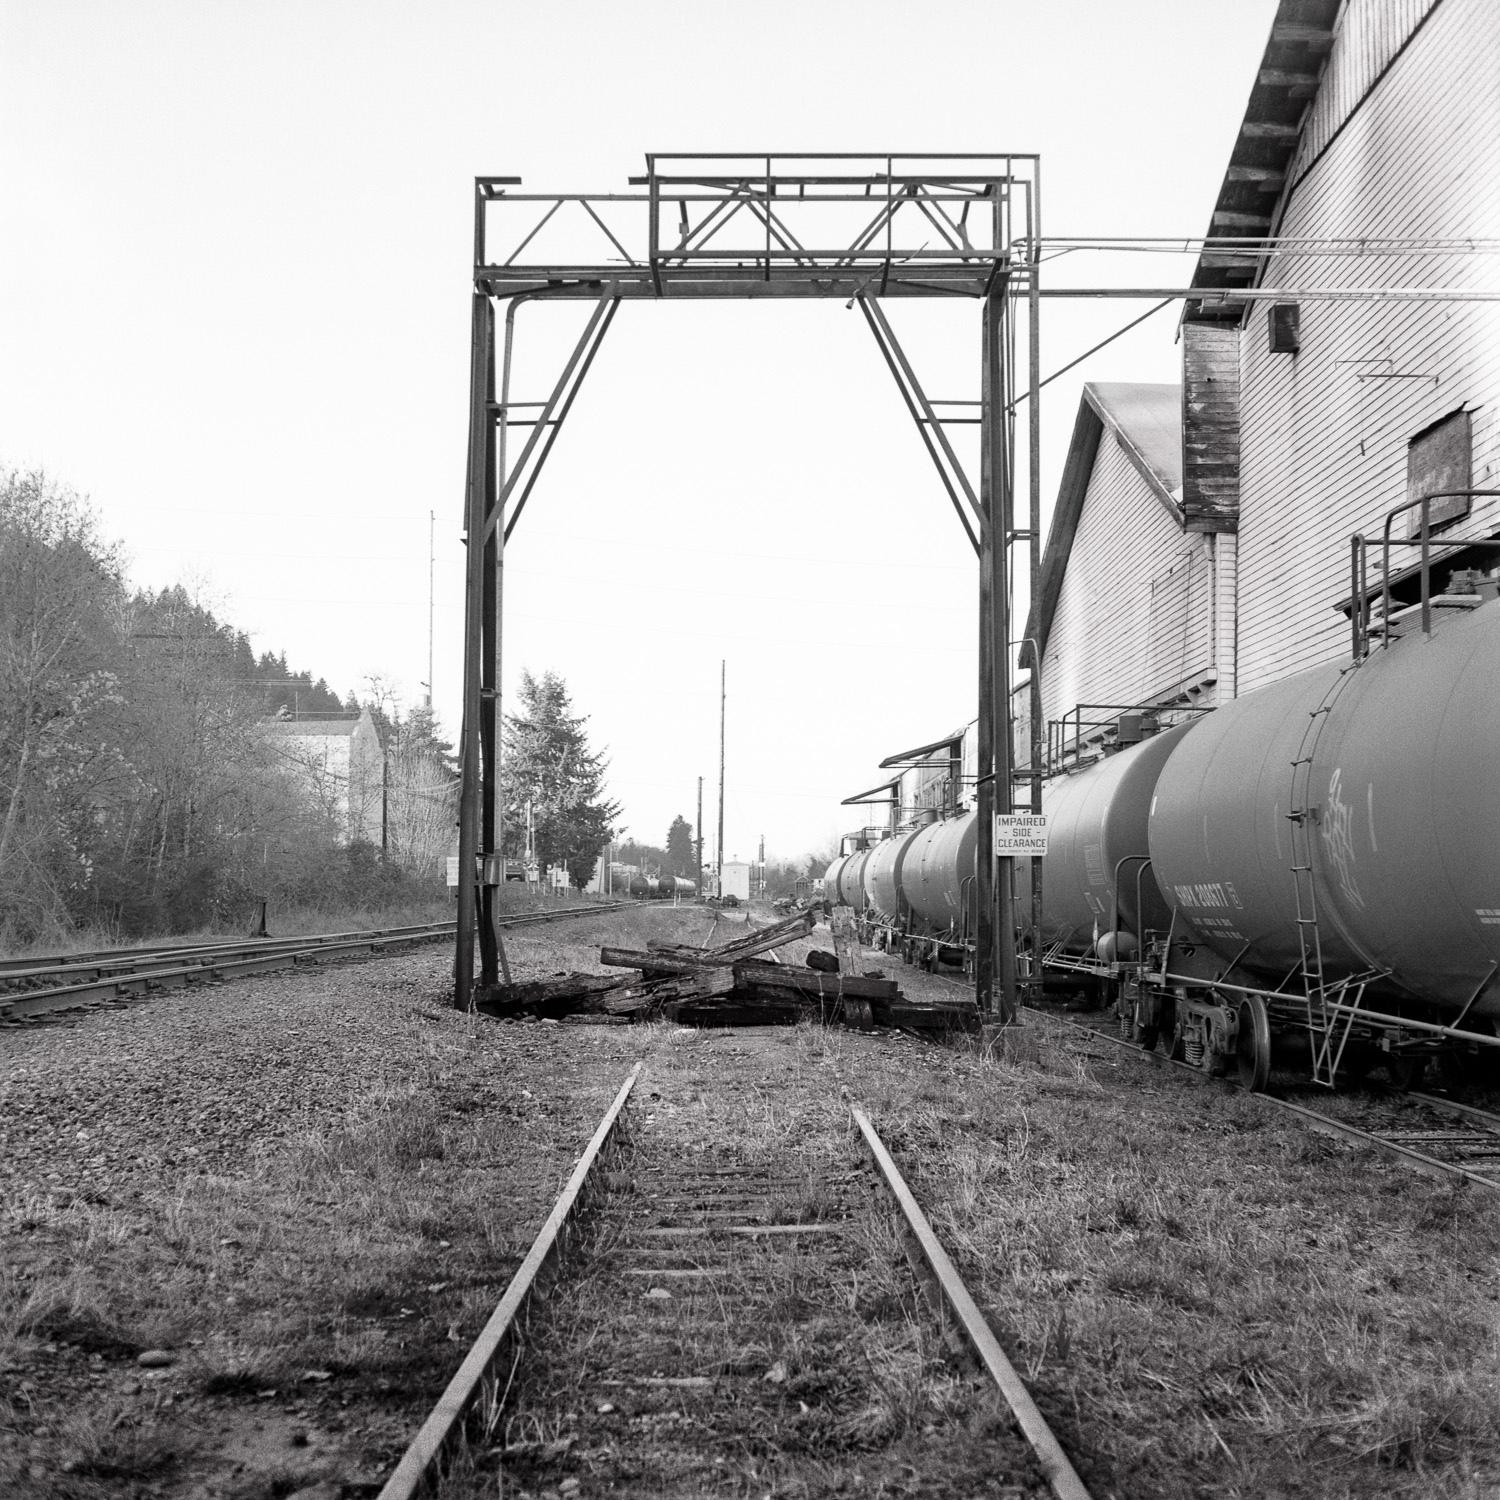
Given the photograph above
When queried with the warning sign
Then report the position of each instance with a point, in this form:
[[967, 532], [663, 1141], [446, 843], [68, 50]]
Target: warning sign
[[1020, 833]]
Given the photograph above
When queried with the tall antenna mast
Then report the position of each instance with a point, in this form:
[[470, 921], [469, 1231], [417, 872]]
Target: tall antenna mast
[[431, 527], [719, 868]]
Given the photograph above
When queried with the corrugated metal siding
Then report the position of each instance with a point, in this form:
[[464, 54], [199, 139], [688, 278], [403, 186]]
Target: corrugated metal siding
[[1134, 580], [1368, 35], [1325, 431]]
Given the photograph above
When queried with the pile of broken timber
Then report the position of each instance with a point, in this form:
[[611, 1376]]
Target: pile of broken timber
[[731, 985]]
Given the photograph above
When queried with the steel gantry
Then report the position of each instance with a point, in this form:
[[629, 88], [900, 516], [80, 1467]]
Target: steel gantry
[[859, 228]]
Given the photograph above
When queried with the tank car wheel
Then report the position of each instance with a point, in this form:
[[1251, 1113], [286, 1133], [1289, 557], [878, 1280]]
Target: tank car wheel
[[1170, 1036], [1406, 1071], [1253, 1045]]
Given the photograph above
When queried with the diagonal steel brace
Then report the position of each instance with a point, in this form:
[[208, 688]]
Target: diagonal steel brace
[[559, 402], [929, 427]]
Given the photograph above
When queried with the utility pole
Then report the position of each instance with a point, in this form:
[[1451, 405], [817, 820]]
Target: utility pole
[[762, 867], [431, 533], [719, 852], [698, 828]]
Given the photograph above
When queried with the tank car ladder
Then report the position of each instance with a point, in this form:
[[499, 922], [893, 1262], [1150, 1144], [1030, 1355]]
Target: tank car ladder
[[1324, 1004]]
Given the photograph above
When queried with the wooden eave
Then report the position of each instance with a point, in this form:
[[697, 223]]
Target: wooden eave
[[1255, 180]]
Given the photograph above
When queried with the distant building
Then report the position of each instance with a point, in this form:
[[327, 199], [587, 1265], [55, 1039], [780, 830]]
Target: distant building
[[338, 762]]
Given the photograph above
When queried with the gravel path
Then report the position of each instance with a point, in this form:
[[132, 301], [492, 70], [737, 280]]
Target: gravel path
[[200, 1081]]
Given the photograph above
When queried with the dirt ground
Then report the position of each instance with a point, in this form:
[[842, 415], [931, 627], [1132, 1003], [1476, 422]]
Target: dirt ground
[[247, 1234]]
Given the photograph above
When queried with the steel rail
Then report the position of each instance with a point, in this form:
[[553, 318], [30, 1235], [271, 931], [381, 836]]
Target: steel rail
[[1059, 1472], [123, 957], [240, 960], [127, 960], [444, 1430], [1325, 1124]]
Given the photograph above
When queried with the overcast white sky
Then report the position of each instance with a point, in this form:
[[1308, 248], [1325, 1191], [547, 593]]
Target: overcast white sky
[[234, 311]]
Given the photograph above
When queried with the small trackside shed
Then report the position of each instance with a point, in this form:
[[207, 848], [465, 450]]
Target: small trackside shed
[[1369, 121], [1134, 608]]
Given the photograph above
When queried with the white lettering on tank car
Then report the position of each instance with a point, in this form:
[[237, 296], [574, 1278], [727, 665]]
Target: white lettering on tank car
[[1208, 894], [1370, 813]]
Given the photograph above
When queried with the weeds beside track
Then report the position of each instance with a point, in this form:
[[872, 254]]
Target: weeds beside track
[[1393, 1121]]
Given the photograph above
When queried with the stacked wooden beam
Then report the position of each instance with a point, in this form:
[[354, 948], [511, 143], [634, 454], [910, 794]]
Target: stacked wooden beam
[[740, 983]]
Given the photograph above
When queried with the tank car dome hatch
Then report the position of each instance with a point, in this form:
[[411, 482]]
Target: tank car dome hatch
[[1396, 789]]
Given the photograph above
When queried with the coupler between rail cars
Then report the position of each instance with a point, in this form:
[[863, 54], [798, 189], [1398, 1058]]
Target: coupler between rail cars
[[926, 951]]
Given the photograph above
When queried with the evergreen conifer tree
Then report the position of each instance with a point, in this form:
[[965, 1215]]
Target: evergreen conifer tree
[[548, 762]]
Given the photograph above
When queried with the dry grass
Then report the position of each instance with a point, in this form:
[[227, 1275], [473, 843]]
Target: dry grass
[[1206, 1300]]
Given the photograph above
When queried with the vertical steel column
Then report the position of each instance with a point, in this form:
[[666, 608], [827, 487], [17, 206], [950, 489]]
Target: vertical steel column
[[491, 872], [995, 935], [1034, 525], [481, 364]]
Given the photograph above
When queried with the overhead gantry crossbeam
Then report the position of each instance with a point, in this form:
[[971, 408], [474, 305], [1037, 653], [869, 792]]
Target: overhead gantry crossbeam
[[760, 226], [855, 227]]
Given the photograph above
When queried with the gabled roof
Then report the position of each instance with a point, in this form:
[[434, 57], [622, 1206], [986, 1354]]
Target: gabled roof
[[1255, 181], [1146, 419]]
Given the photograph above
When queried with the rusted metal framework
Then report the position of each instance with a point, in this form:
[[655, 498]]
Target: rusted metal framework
[[859, 228]]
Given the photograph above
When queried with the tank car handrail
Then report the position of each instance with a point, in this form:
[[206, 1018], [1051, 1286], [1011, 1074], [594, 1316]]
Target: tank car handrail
[[1114, 899], [1424, 540]]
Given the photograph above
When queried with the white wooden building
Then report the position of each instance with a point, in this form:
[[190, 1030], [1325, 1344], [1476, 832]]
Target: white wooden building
[[1199, 546], [337, 763], [1369, 120], [1135, 609]]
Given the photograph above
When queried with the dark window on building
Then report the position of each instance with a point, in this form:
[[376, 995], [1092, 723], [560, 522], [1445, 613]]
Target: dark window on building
[[1286, 327], [1440, 458]]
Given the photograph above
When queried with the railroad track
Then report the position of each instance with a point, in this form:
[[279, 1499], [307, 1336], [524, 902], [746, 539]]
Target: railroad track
[[690, 1257], [1404, 1125], [36, 987]]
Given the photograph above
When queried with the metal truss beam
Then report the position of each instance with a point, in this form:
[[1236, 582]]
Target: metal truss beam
[[763, 226]]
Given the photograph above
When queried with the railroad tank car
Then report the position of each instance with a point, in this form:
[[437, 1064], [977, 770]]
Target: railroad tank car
[[831, 879], [937, 874], [1097, 841], [1380, 779], [1354, 802], [637, 887], [882, 875], [851, 891]]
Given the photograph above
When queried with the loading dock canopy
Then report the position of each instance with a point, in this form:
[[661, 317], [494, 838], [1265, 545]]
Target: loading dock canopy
[[920, 754], [874, 794]]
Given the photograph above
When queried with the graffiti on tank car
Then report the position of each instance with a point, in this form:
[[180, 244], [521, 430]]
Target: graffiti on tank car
[[1338, 837]]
